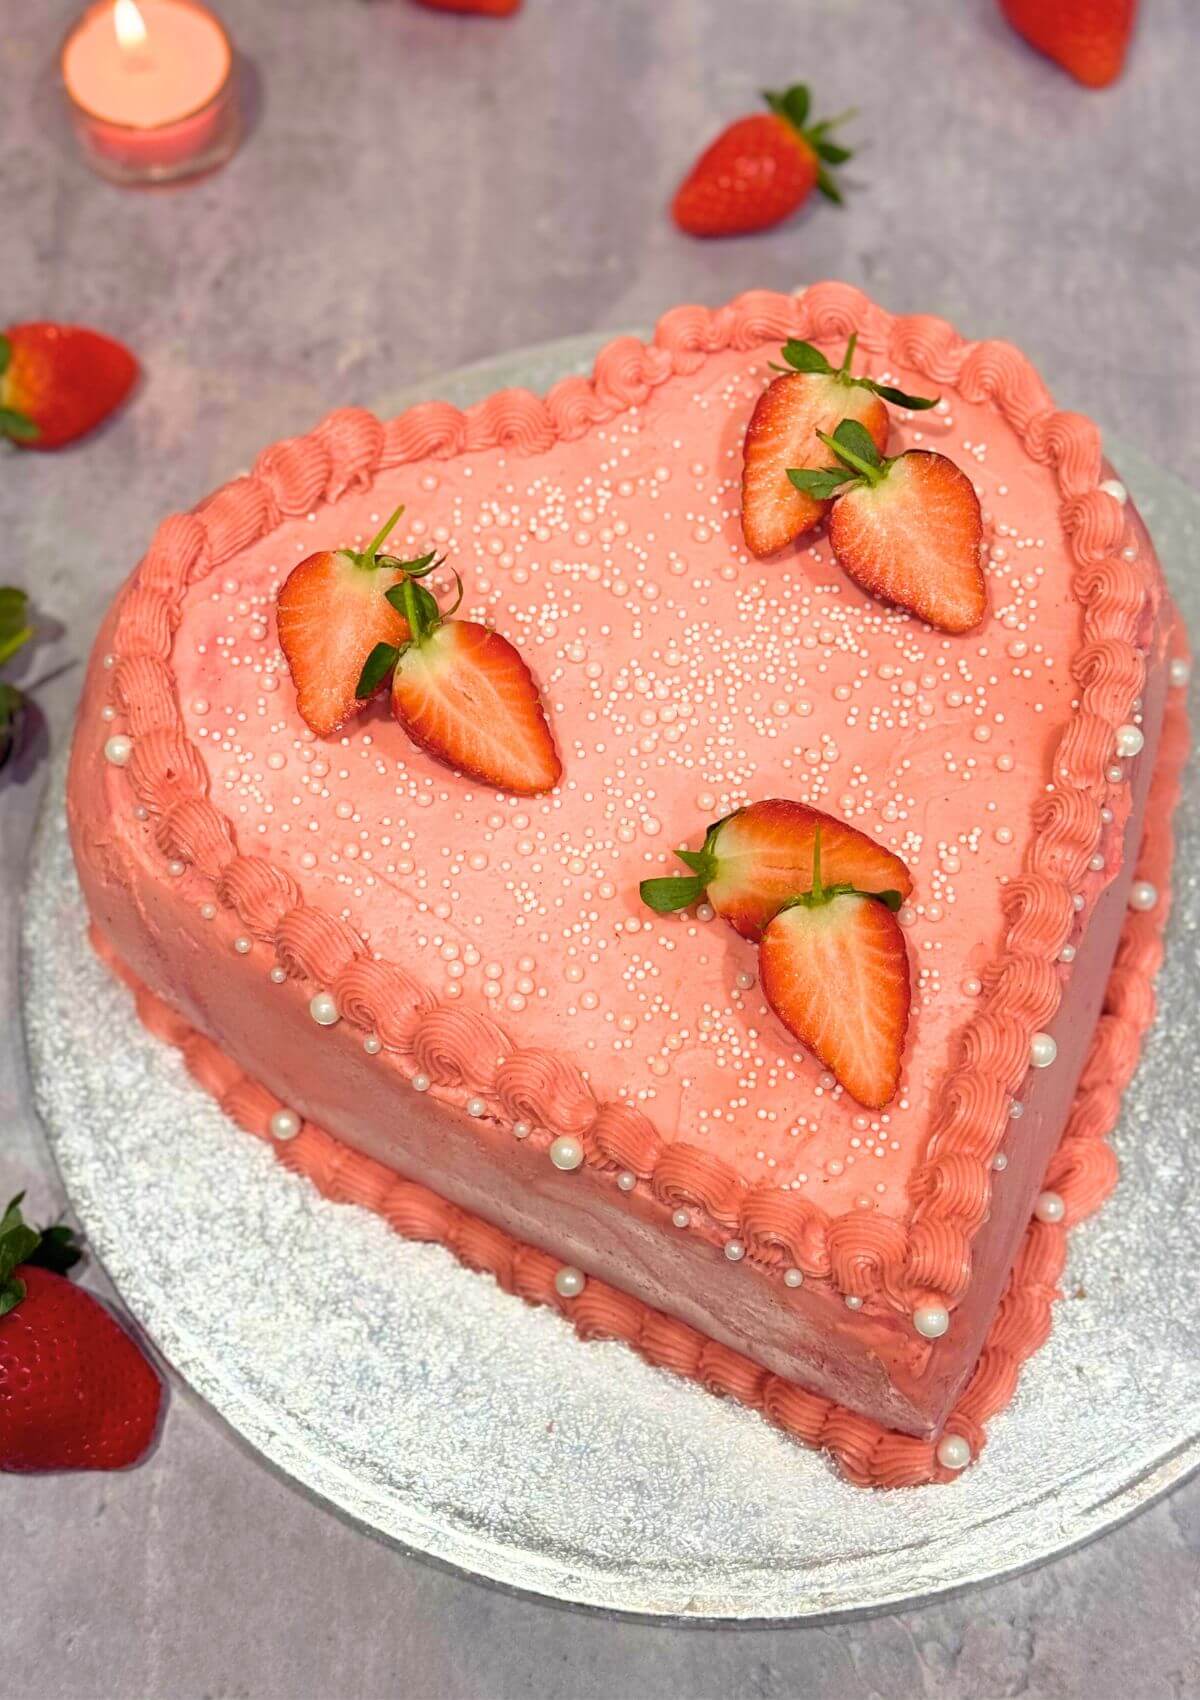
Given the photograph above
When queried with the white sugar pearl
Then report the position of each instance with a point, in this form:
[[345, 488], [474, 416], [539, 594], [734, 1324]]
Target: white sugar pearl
[[1114, 488], [566, 1153], [323, 1009], [278, 975], [110, 661], [284, 1124], [1016, 1109], [1049, 1207], [1180, 672], [372, 1044], [1143, 895], [999, 1162], [953, 1452], [243, 945], [1067, 953], [793, 1277], [853, 1302], [1042, 1050], [1130, 740], [627, 1180], [118, 750], [734, 1250], [1115, 773], [931, 1321], [681, 1219], [208, 911], [745, 980], [475, 1106], [108, 712], [569, 1282], [522, 1130], [175, 868], [421, 1083]]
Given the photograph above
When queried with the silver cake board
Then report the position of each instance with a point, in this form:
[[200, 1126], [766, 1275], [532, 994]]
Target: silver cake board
[[460, 1423]]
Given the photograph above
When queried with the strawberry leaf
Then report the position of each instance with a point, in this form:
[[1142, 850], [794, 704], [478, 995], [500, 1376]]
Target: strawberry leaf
[[804, 357], [790, 104], [17, 426], [855, 437], [15, 629], [829, 188], [425, 600], [821, 483], [17, 1241], [664, 896], [378, 665], [831, 153], [890, 899], [58, 1250], [421, 567], [899, 398]]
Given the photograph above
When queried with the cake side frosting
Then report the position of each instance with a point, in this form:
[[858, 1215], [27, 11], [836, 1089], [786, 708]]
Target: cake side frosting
[[883, 1259], [1082, 1173]]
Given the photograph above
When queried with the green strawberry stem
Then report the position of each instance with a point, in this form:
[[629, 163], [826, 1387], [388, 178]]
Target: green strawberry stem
[[366, 558], [421, 613], [821, 894], [805, 357], [680, 891], [873, 471]]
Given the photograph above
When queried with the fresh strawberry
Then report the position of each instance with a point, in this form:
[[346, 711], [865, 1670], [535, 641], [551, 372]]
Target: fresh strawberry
[[331, 612], [834, 967], [75, 1392], [463, 693], [782, 434], [908, 530], [15, 633], [482, 8], [58, 381], [1088, 38], [753, 861], [760, 169]]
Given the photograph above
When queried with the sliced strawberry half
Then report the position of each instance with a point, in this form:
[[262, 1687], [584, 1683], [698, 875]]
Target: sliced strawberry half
[[331, 612], [463, 693], [909, 530], [833, 965], [784, 433], [753, 861]]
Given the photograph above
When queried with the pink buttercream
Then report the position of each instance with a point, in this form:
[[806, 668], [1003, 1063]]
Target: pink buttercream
[[497, 948]]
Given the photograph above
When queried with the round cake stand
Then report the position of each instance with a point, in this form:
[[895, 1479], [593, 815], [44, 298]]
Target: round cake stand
[[460, 1423]]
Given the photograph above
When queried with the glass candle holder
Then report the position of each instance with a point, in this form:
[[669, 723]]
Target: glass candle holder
[[151, 86]]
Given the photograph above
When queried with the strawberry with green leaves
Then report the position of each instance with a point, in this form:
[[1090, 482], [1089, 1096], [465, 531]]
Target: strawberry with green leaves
[[464, 695], [58, 382], [760, 169], [754, 860], [833, 965], [908, 529], [75, 1392], [811, 396], [330, 613]]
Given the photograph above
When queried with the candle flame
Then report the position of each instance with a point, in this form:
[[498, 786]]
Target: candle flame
[[129, 25]]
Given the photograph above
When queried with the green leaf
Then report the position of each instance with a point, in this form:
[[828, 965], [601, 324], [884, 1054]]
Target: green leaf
[[855, 437], [426, 603], [890, 899], [17, 426], [664, 896], [378, 665], [804, 357], [917, 403], [16, 1243], [796, 104], [12, 1292], [699, 861], [828, 187], [831, 153], [5, 353], [15, 629], [58, 1250], [821, 483], [418, 568]]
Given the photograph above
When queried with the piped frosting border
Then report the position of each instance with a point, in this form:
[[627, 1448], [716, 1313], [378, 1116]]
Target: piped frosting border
[[893, 1264]]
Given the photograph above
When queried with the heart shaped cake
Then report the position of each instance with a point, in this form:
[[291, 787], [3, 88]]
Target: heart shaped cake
[[820, 1156]]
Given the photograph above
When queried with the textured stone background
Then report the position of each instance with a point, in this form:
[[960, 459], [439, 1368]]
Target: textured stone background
[[419, 191]]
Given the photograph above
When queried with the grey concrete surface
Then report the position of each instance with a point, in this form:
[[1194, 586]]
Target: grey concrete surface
[[418, 191]]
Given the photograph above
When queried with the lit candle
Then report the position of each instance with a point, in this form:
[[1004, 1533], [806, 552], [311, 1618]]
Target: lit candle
[[152, 90]]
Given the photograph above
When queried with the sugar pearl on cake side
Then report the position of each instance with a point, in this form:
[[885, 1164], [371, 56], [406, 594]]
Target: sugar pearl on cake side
[[1049, 1207], [566, 1152], [735, 1250], [931, 1321], [284, 1124], [793, 1277], [323, 1009], [569, 1282], [953, 1452], [1143, 896], [1042, 1050], [626, 1180], [1180, 672], [1114, 488], [118, 749], [1130, 739]]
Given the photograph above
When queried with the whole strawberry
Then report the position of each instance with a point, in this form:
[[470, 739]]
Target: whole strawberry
[[59, 381], [760, 169], [1088, 38], [75, 1392], [481, 8]]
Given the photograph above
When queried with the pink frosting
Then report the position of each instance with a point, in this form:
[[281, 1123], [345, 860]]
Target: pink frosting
[[496, 947]]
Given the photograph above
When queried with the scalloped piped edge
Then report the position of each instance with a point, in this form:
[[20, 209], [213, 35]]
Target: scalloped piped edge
[[892, 1264], [1083, 1171]]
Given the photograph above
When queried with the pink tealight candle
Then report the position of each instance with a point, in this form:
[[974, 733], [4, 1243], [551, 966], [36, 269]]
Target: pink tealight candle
[[151, 88]]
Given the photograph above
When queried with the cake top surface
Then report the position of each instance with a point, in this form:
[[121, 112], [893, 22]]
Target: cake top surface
[[599, 530]]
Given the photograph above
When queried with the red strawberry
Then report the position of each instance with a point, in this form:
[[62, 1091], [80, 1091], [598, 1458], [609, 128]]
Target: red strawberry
[[463, 693], [58, 381], [759, 170], [75, 1392], [908, 530], [483, 8], [753, 861], [834, 967], [1088, 38], [783, 434], [331, 612]]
